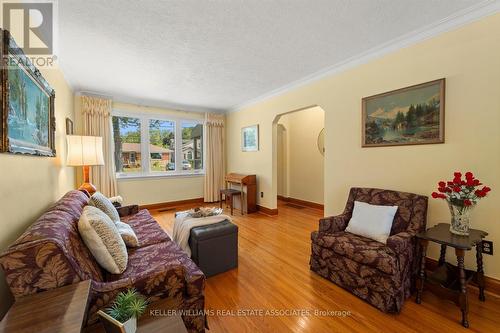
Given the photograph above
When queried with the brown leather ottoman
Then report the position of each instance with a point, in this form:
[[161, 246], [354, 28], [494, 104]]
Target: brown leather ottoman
[[214, 247]]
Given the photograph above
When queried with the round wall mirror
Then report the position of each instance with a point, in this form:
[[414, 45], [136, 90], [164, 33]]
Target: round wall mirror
[[321, 142]]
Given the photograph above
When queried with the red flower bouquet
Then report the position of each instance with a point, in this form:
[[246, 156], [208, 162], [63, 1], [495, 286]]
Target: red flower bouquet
[[462, 194]]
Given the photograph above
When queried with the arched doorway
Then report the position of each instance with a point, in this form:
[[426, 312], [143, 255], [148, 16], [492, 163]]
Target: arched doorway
[[298, 157]]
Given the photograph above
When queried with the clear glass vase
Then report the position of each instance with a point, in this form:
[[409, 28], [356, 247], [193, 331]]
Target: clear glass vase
[[460, 219]]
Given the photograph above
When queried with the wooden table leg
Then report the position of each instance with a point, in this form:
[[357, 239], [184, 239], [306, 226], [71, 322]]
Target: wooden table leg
[[480, 271], [464, 305], [421, 274], [442, 255], [231, 202], [220, 199], [241, 199]]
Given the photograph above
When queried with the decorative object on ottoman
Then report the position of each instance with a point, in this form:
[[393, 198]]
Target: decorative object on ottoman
[[214, 247], [462, 195], [204, 212], [85, 151], [184, 222], [122, 316], [381, 274]]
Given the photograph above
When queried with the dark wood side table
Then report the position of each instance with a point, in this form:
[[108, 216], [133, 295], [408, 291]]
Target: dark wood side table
[[60, 310], [449, 281]]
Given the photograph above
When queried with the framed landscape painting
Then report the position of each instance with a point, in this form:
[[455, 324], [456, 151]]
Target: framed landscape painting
[[28, 122], [409, 116], [250, 138]]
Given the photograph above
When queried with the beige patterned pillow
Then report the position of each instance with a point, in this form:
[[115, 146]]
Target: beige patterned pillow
[[102, 238], [100, 201], [128, 234]]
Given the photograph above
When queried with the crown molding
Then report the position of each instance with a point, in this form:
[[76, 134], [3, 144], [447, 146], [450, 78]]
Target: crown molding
[[452, 22]]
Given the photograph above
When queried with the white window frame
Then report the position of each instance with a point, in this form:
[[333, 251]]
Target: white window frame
[[145, 153]]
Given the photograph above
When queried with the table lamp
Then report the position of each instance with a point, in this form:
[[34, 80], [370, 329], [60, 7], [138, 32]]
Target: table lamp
[[85, 151]]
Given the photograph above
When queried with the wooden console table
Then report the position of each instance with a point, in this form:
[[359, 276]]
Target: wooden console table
[[248, 199], [60, 310], [449, 281]]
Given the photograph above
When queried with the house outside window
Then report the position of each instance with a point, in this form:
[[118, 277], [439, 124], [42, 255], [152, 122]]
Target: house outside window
[[127, 139], [192, 143], [146, 146]]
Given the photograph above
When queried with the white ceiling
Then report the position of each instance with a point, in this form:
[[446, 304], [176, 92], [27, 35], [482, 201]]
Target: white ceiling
[[220, 54]]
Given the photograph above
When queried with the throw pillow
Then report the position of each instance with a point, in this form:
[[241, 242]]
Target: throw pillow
[[372, 221], [128, 234], [100, 201], [102, 238]]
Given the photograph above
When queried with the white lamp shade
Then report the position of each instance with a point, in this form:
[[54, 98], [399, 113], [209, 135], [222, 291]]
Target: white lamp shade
[[84, 150]]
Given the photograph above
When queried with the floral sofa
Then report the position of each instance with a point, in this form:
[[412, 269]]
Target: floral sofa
[[51, 254], [381, 274]]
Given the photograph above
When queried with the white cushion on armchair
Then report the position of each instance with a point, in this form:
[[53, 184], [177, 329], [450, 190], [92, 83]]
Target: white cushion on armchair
[[372, 221]]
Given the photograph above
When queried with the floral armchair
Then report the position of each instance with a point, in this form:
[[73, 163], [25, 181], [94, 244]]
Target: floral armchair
[[381, 274]]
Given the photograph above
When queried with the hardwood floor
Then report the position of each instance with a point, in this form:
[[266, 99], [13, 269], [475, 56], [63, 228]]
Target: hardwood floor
[[274, 275]]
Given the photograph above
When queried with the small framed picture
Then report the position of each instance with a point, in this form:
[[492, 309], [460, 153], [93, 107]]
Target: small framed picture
[[69, 126], [250, 138]]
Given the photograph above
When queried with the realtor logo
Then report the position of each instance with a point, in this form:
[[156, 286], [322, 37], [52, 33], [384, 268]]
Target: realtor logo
[[31, 25]]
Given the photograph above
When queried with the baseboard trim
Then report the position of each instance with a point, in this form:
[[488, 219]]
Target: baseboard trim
[[267, 211], [492, 285], [170, 204], [300, 202]]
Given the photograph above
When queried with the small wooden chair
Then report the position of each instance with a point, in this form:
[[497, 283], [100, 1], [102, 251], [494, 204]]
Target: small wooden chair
[[230, 193]]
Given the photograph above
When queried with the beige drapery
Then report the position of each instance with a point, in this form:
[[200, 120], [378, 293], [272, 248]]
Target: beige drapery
[[96, 115], [215, 159]]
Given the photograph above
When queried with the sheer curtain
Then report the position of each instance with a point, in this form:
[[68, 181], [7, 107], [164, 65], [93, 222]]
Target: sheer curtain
[[96, 115], [215, 159]]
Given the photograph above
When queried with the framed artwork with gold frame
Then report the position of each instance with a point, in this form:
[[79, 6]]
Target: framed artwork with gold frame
[[409, 116]]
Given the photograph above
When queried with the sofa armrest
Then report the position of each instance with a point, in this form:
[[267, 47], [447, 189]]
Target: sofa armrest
[[153, 284], [401, 242], [174, 278], [128, 210], [38, 266], [172, 283], [334, 223]]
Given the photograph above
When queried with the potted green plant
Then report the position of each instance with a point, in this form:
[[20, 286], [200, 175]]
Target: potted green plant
[[122, 316]]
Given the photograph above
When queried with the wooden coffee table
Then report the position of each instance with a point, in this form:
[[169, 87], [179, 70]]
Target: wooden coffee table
[[60, 310], [156, 319]]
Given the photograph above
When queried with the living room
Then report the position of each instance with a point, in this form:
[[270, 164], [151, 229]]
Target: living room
[[175, 123]]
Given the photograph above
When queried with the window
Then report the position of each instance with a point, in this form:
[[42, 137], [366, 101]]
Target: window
[[146, 145], [192, 141], [127, 138], [162, 145]]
